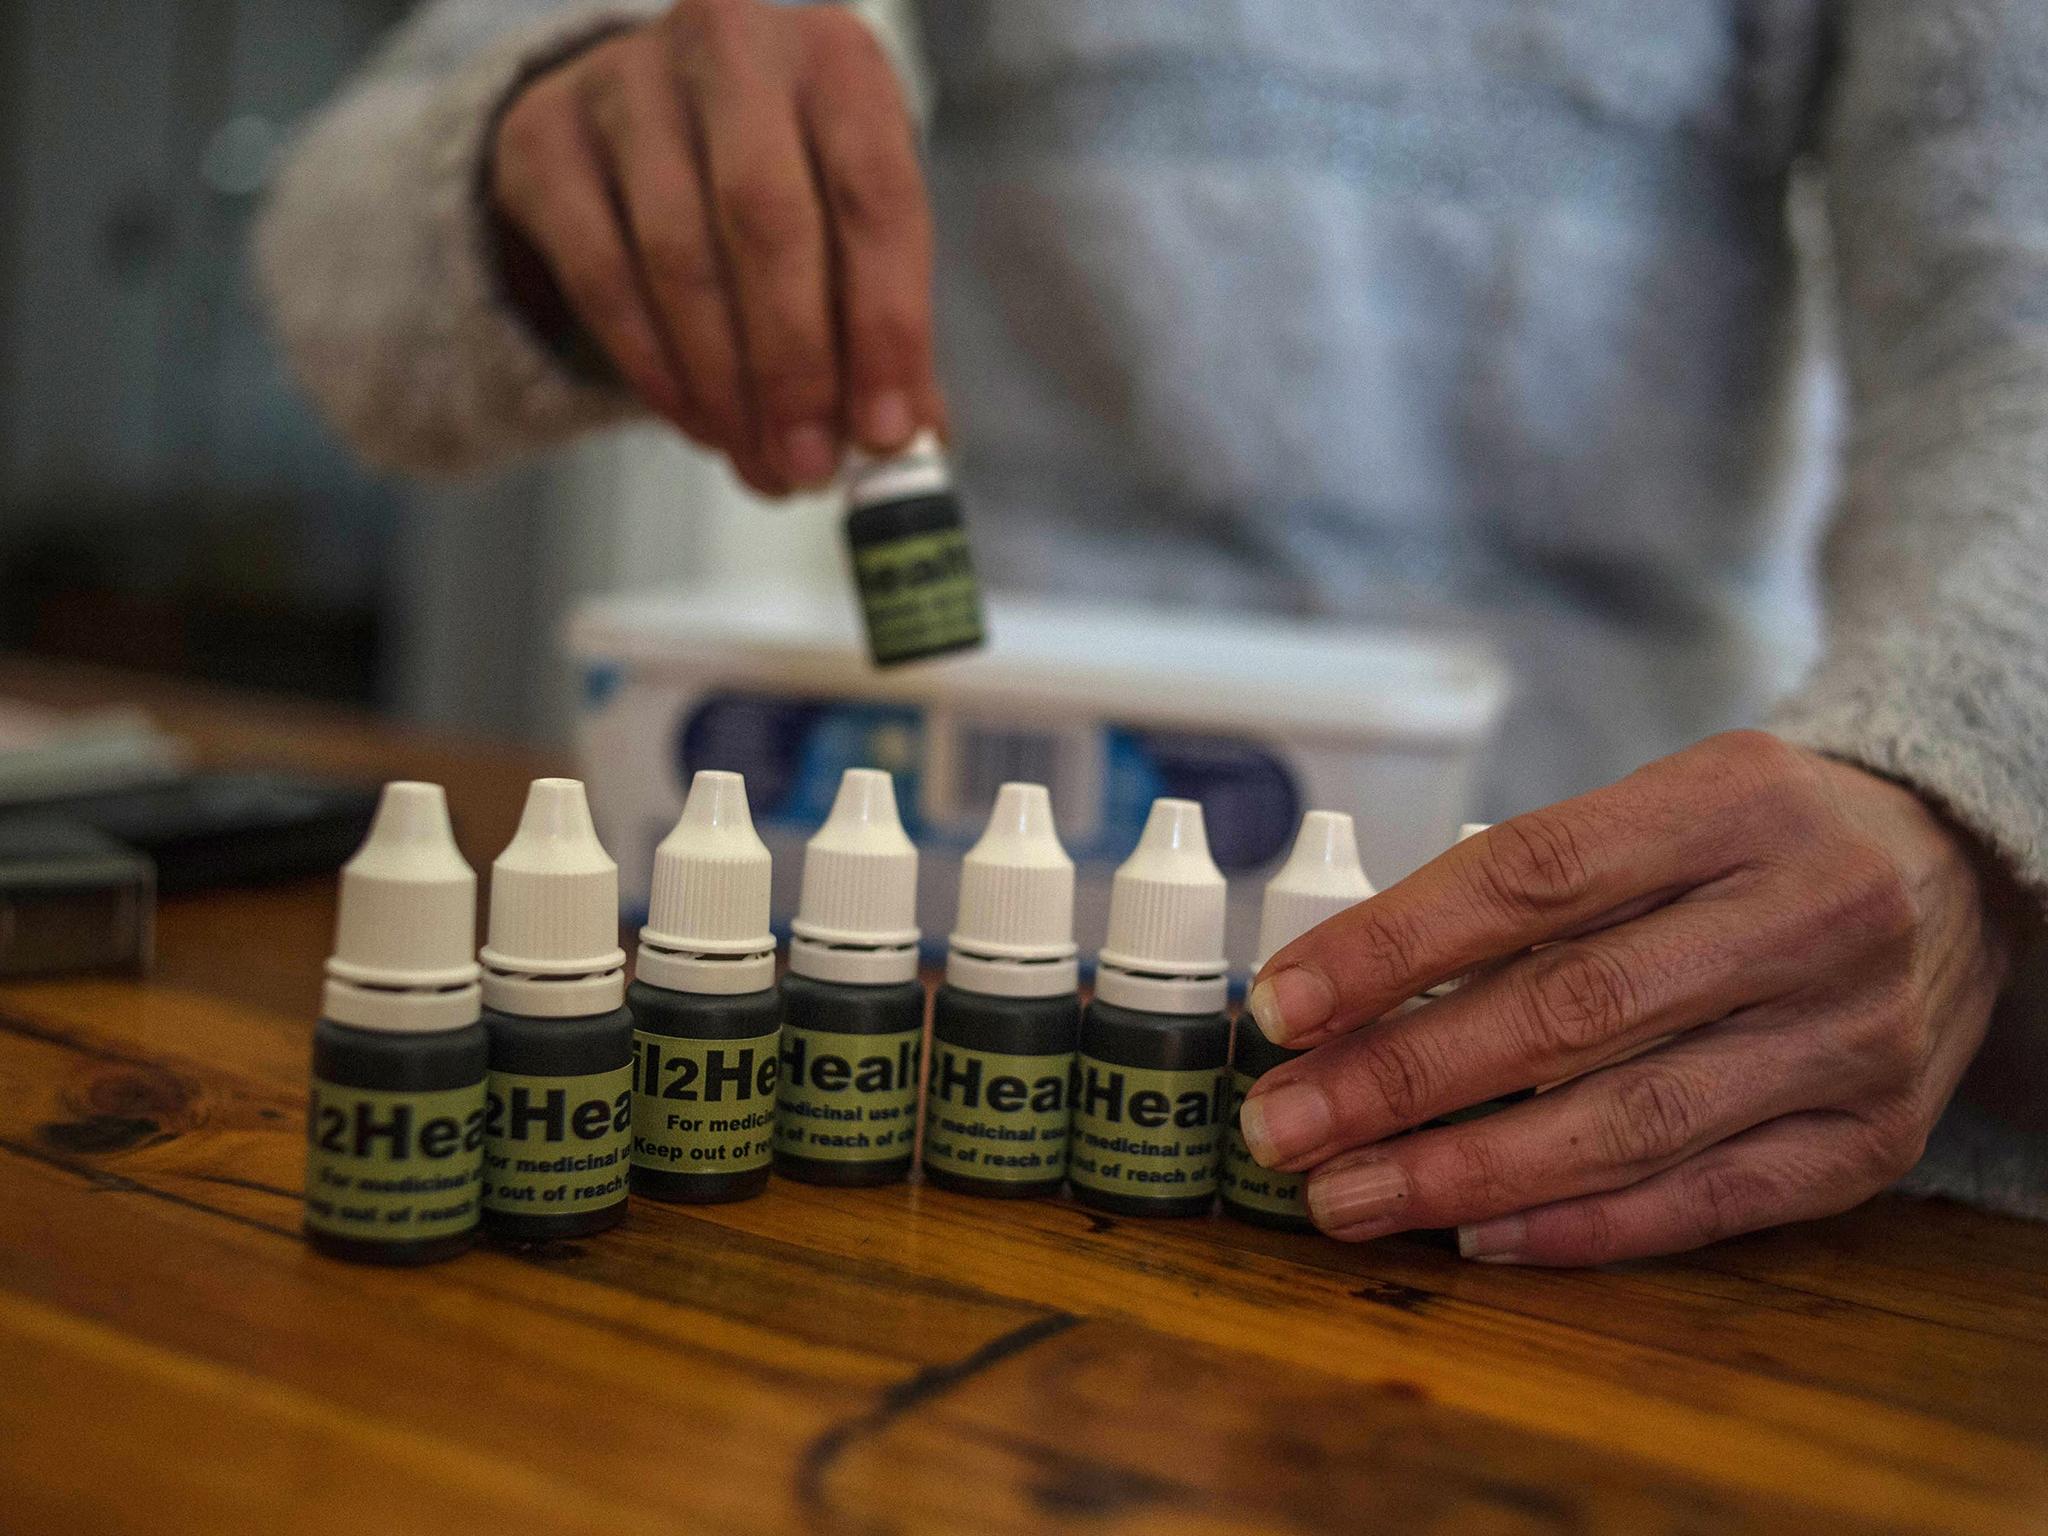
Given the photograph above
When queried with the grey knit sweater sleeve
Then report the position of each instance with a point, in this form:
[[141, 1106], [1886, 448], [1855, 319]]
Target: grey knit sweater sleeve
[[1935, 670], [373, 252]]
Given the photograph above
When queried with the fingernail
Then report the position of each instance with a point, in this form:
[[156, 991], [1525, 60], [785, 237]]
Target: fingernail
[[887, 420], [809, 454], [1372, 1196], [1495, 1241], [1290, 1003], [1285, 1122]]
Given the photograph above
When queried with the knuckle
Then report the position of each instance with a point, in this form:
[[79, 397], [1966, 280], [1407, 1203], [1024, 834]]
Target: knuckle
[[1398, 1077], [1538, 862], [1482, 1178], [872, 181], [767, 218], [1889, 1041], [1579, 998], [1390, 947], [674, 262], [1877, 893], [1653, 1115], [1720, 1201], [1597, 1238], [1893, 1140], [1757, 756]]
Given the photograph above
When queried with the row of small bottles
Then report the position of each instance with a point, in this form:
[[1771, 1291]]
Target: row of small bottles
[[534, 1089]]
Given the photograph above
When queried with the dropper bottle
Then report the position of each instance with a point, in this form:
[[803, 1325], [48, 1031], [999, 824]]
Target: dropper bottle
[[853, 1007], [559, 1134], [1004, 1024], [1321, 877], [706, 1016], [395, 1126], [1152, 1078], [911, 559]]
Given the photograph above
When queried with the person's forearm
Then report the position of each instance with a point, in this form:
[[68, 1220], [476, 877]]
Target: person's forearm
[[1936, 667], [376, 259]]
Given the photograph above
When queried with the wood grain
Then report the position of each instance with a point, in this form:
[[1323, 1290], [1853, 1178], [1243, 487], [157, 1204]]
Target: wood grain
[[173, 1358]]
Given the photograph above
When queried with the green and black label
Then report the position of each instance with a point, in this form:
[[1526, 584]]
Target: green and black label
[[557, 1146], [919, 592], [704, 1106], [848, 1098], [1243, 1181], [996, 1117], [1145, 1133], [388, 1166]]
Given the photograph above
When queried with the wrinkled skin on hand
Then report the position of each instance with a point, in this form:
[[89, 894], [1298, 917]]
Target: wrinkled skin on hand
[[729, 200], [1760, 974]]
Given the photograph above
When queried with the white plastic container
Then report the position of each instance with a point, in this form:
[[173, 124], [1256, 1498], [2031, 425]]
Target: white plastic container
[[1257, 719]]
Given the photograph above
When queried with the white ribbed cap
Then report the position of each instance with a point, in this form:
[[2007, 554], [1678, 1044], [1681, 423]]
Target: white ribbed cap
[[860, 869], [1320, 879], [708, 908], [404, 938], [554, 930], [1166, 903], [920, 469], [1472, 829], [856, 916], [1014, 935]]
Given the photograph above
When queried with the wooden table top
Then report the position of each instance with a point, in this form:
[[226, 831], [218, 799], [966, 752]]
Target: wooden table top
[[174, 1358]]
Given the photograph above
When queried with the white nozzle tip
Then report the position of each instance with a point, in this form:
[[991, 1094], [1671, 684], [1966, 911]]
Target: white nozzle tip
[[1166, 903], [554, 911], [864, 813], [717, 801], [1321, 877], [860, 870], [1017, 884], [407, 915], [411, 823], [556, 808], [1325, 857], [711, 875], [1175, 826], [1472, 829]]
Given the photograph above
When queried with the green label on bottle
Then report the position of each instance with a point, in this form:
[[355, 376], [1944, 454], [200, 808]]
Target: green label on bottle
[[1147, 1134], [393, 1166], [1243, 1181], [1000, 1118], [557, 1146], [919, 593], [848, 1098], [704, 1106]]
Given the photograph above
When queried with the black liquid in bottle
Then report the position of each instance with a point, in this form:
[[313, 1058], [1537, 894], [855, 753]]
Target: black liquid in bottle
[[847, 1108], [1152, 1075], [997, 1115], [853, 1019], [395, 1134], [1261, 1196], [1321, 878], [707, 1017], [705, 1069], [1151, 1095], [558, 1136], [911, 558], [395, 1118], [559, 1127]]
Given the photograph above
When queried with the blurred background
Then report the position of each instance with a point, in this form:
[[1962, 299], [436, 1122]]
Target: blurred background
[[168, 502]]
